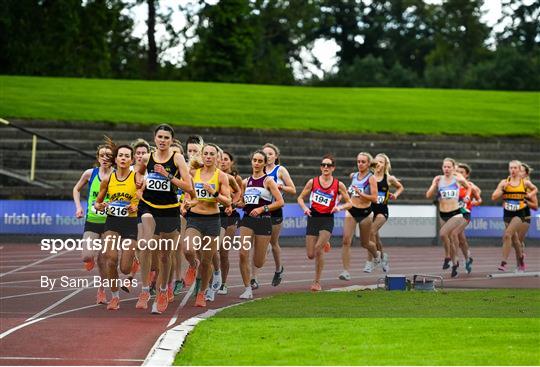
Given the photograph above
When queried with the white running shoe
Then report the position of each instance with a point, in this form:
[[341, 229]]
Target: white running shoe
[[518, 271], [384, 262], [368, 268], [345, 275], [154, 309], [209, 295], [248, 293], [216, 280], [223, 289]]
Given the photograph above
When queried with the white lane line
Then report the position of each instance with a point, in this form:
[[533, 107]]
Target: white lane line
[[59, 302], [10, 331], [80, 270], [38, 280], [36, 293], [32, 264]]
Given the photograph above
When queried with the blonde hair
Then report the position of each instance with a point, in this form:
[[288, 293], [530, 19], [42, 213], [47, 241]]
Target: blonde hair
[[515, 161], [451, 160], [366, 154], [275, 149], [138, 143], [387, 164]]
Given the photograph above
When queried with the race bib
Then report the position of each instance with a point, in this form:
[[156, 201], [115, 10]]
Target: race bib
[[201, 191], [511, 206], [101, 213], [381, 197], [449, 194], [118, 209], [321, 198], [461, 204], [352, 191], [156, 182], [251, 197]]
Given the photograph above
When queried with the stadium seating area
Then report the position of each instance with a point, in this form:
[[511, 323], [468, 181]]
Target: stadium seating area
[[415, 158]]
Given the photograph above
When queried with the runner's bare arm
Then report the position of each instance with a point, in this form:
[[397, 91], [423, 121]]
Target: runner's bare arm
[[85, 177], [301, 197]]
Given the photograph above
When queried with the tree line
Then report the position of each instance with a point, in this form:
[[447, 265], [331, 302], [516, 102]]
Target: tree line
[[382, 43]]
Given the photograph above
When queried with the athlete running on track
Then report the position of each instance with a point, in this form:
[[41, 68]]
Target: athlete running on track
[[94, 225], [260, 197], [121, 221], [363, 192], [323, 194], [447, 188], [514, 191]]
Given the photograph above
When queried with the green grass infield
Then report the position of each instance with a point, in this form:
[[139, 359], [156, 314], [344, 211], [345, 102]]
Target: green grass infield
[[359, 110], [480, 327]]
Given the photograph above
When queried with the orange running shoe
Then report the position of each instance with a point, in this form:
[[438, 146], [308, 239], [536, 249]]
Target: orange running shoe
[[316, 287], [89, 264], [142, 302], [170, 295], [101, 298], [191, 273], [114, 304], [327, 247], [200, 301], [162, 301]]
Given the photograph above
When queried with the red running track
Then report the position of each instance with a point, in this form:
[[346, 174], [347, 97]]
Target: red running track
[[63, 326]]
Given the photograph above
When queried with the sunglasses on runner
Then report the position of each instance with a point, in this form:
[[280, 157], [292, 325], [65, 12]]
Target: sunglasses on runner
[[327, 165]]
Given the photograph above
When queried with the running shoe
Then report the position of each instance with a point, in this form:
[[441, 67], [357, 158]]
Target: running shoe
[[191, 273], [178, 286], [468, 265], [345, 275], [101, 297], [200, 302], [368, 268], [327, 247], [316, 287], [254, 284], [454, 270], [155, 309], [248, 293], [223, 289], [278, 275], [170, 295], [162, 301], [384, 262], [210, 294], [142, 302], [89, 264], [503, 266], [518, 271], [216, 280], [114, 304], [447, 263]]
